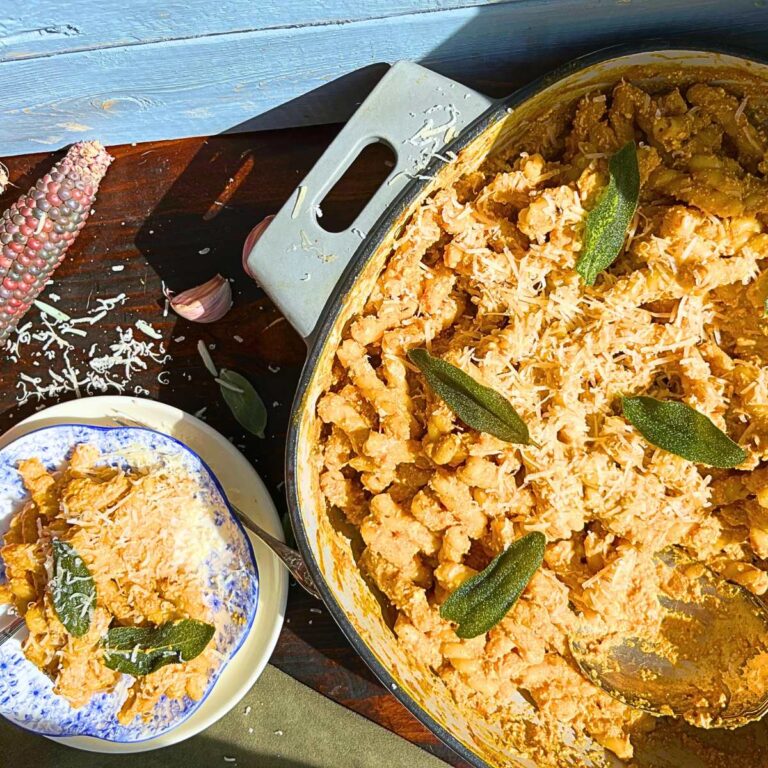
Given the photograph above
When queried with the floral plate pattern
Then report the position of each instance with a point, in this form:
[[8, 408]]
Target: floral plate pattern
[[26, 695]]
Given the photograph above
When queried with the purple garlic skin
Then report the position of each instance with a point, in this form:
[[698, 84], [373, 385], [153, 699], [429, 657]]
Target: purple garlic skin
[[37, 230], [206, 303]]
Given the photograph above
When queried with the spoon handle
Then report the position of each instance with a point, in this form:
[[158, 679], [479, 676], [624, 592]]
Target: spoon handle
[[6, 633], [290, 558]]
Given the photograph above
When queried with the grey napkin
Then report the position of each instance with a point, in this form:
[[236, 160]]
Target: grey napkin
[[287, 726]]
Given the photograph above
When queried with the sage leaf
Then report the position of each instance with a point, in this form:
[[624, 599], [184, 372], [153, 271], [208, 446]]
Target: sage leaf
[[682, 430], [139, 651], [607, 222], [479, 407], [484, 599], [244, 401], [73, 591]]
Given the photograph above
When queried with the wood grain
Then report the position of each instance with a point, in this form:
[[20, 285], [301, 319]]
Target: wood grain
[[48, 27], [155, 212], [125, 72]]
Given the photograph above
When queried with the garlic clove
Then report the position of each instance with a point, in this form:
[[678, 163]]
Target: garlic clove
[[250, 241], [206, 303]]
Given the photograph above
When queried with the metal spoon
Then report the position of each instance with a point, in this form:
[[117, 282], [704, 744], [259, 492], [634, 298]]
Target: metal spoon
[[290, 558], [6, 633], [708, 661]]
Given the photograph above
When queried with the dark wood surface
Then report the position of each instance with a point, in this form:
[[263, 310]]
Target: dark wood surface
[[159, 206]]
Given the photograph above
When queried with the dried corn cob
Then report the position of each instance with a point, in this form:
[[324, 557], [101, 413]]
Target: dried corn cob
[[37, 230]]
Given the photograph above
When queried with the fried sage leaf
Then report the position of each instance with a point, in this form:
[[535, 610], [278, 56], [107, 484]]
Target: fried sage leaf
[[479, 407], [73, 591], [608, 221], [682, 430], [140, 651], [483, 600], [244, 401]]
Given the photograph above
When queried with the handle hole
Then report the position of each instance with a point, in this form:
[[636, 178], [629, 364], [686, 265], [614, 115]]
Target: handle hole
[[358, 184]]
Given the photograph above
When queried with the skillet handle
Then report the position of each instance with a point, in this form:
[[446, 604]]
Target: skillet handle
[[414, 111]]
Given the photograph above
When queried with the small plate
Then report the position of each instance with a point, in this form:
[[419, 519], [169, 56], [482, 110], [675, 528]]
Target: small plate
[[244, 488], [229, 570]]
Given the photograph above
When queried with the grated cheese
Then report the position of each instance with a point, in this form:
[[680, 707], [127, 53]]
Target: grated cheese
[[737, 115], [207, 359], [227, 385], [79, 370], [56, 314], [145, 327], [300, 195], [430, 138]]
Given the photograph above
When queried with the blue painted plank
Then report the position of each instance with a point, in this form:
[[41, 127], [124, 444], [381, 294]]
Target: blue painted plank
[[276, 77], [46, 27]]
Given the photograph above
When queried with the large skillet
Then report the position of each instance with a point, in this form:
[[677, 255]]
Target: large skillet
[[319, 279]]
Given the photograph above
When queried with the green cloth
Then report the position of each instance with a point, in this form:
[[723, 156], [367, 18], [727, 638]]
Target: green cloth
[[293, 727]]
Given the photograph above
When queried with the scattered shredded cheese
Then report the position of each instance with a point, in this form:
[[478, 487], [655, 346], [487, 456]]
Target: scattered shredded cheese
[[80, 370], [207, 359], [430, 138], [227, 385], [56, 314], [145, 327], [740, 111], [300, 195]]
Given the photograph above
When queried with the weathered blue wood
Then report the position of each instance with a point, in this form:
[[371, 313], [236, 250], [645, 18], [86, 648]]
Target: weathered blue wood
[[47, 27], [220, 80]]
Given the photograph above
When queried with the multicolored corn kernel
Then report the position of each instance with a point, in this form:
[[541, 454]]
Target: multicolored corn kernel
[[37, 230]]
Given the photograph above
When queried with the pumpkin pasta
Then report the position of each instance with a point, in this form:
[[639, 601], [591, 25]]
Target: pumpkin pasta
[[483, 275], [138, 533]]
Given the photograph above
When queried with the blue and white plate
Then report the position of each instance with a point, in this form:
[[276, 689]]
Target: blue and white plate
[[26, 696]]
